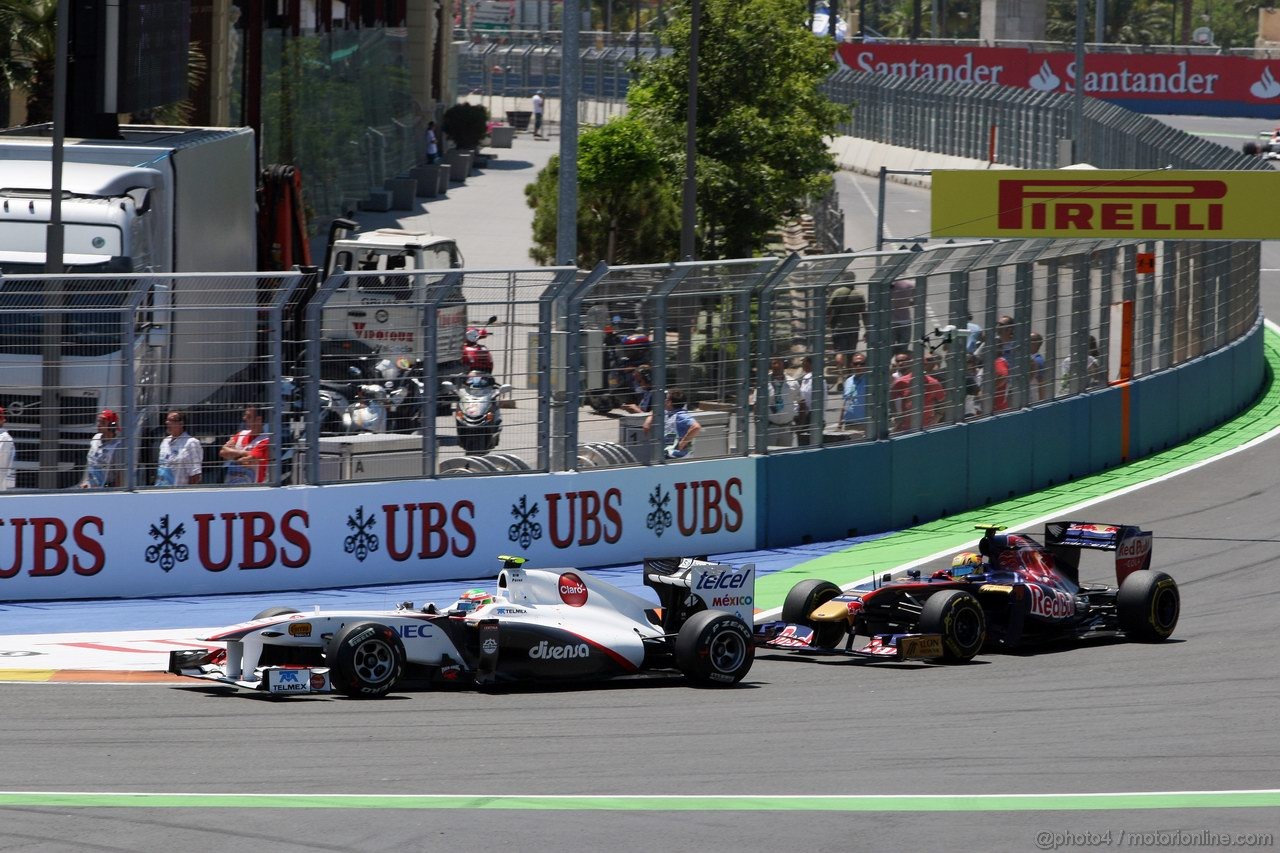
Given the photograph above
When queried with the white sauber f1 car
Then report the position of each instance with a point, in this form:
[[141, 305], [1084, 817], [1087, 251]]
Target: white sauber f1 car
[[540, 626]]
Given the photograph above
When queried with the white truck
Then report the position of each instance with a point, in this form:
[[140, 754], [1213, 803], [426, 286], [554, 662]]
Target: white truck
[[162, 199]]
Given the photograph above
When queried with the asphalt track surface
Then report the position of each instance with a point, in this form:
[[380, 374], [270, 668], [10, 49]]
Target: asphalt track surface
[[1114, 745]]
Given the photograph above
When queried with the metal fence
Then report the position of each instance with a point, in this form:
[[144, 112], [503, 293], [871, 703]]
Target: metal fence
[[962, 119], [772, 356]]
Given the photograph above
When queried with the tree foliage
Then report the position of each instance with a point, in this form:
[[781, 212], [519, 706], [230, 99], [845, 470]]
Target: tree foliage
[[762, 125], [30, 27], [626, 211]]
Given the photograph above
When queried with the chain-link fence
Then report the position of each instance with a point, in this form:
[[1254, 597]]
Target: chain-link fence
[[1027, 127], [373, 375]]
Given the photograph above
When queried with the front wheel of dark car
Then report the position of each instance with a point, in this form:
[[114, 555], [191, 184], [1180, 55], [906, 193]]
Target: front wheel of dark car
[[958, 617], [806, 597]]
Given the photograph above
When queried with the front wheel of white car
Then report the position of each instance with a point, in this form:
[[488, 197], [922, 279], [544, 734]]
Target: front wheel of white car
[[365, 660], [714, 649]]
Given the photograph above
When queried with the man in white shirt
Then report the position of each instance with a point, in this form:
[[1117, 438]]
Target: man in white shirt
[[8, 477], [804, 408], [102, 468], [180, 454], [537, 113]]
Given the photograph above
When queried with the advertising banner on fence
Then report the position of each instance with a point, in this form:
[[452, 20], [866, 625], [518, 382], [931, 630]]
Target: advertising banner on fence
[[202, 541], [1161, 205], [1147, 82]]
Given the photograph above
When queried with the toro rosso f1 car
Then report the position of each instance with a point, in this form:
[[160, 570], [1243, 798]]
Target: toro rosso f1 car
[[548, 626], [1013, 593]]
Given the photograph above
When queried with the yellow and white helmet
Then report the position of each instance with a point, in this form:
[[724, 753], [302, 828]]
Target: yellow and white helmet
[[965, 563]]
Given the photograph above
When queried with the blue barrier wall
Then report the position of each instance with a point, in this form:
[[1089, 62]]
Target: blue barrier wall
[[856, 489]]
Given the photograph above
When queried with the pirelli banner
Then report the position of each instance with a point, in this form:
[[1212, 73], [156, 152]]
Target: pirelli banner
[[1160, 205]]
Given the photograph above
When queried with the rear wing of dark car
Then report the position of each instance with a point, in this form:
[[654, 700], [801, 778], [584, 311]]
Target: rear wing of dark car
[[1066, 540]]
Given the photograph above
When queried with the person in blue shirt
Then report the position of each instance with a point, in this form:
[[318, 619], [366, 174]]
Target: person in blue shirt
[[854, 414], [679, 428]]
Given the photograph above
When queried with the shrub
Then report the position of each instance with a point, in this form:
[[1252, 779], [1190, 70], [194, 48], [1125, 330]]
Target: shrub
[[466, 124]]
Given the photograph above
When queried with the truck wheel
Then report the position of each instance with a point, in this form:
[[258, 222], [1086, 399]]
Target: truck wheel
[[274, 611], [958, 617], [806, 597], [1148, 604], [366, 659], [714, 649]]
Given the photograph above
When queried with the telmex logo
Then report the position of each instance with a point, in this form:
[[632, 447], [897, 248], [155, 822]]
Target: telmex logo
[[1085, 205]]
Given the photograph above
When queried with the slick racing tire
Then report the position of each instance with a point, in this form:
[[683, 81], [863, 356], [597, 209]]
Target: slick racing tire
[[714, 649], [802, 600], [366, 659], [274, 611], [1148, 604], [958, 617]]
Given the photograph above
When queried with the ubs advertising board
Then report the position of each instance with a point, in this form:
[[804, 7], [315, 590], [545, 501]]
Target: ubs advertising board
[[1160, 205], [1153, 83], [203, 541]]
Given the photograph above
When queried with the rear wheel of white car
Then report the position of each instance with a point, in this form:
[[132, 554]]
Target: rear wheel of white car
[[714, 649], [365, 660], [1148, 604], [806, 597], [274, 611], [958, 617]]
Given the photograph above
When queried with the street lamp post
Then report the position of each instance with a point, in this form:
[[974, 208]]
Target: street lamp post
[[690, 212]]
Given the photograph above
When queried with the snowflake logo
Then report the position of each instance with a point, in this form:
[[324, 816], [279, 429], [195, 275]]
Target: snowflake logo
[[167, 551], [525, 530], [362, 543], [659, 521]]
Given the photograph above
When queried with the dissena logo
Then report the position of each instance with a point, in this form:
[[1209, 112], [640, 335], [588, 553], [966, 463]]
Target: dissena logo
[[546, 651], [573, 591]]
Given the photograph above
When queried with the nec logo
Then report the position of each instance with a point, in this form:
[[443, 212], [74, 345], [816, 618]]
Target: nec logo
[[1089, 205]]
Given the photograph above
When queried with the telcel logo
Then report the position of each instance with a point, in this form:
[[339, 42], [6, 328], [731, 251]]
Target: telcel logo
[[722, 580]]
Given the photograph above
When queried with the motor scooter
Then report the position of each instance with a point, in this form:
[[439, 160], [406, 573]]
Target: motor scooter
[[475, 355], [622, 354], [478, 415]]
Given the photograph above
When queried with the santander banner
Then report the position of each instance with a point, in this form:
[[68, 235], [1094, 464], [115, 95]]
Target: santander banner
[[1208, 85]]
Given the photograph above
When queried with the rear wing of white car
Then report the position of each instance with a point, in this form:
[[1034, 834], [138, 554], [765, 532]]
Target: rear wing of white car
[[686, 585], [1066, 540]]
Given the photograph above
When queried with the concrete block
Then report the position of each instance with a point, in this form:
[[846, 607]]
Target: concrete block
[[378, 200], [427, 179], [502, 136], [403, 190]]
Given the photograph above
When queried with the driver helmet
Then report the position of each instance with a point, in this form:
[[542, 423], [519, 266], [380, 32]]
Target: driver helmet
[[473, 336], [474, 599], [965, 563]]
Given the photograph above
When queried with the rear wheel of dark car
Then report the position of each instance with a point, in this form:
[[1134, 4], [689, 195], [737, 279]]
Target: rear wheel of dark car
[[365, 659], [1148, 604], [958, 617], [714, 649], [806, 597]]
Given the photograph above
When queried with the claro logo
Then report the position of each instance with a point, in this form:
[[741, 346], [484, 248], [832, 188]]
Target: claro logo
[[573, 591], [1086, 206]]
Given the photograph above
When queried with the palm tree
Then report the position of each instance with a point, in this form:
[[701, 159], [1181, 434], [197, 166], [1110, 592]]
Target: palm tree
[[27, 60]]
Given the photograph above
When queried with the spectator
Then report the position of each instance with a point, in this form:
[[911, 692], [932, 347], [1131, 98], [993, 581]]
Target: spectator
[[1040, 385], [180, 454], [899, 362], [433, 144], [679, 428], [846, 315], [1095, 373], [643, 402], [1000, 391], [902, 299], [102, 469], [247, 452], [972, 386], [974, 333], [804, 405], [8, 477], [902, 404], [854, 414], [784, 395], [537, 113], [1004, 336]]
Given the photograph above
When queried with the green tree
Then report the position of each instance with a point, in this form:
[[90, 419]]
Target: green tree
[[626, 211], [27, 61], [762, 126]]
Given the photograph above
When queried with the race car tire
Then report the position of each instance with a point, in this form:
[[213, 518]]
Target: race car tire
[[958, 617], [366, 660], [802, 600], [274, 611], [714, 649], [1148, 604]]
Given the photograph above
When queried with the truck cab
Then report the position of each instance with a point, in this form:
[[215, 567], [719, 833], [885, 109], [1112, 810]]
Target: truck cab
[[384, 310]]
